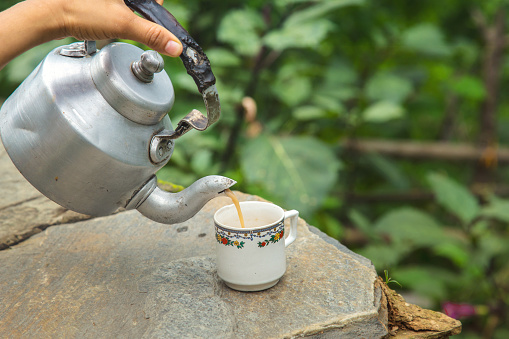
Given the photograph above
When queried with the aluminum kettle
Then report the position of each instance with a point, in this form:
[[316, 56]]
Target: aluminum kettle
[[89, 128]]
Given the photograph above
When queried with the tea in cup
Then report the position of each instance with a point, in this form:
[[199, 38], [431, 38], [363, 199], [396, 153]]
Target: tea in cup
[[253, 258]]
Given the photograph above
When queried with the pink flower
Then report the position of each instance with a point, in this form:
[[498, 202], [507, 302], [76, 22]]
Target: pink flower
[[458, 311]]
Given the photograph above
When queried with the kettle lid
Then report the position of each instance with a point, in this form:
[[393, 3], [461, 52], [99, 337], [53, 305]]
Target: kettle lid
[[131, 81]]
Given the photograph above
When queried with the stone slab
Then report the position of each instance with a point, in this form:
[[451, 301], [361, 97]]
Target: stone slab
[[125, 276]]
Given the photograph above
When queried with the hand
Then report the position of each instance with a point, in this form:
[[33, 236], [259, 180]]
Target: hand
[[33, 22], [107, 19]]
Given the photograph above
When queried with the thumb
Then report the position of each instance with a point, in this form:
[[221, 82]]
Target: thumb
[[154, 36]]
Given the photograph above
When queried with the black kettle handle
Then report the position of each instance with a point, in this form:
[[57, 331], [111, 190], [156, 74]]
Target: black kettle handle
[[196, 62]]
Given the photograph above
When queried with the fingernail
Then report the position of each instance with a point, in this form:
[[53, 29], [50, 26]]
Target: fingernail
[[173, 48]]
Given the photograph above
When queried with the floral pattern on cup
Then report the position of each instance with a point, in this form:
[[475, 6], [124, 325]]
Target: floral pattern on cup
[[228, 242], [273, 239], [238, 237]]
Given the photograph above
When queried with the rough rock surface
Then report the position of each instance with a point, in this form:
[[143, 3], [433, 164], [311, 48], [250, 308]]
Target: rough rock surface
[[126, 276]]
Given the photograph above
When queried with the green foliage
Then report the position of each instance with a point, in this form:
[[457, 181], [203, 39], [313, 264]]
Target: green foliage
[[390, 87], [426, 38], [407, 240], [498, 208], [409, 227], [383, 111], [454, 197], [389, 280], [240, 29], [469, 87], [307, 27], [303, 166]]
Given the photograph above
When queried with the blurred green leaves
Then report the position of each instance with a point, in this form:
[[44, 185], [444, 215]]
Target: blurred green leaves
[[390, 87], [426, 38], [469, 87], [306, 28], [410, 226], [299, 171], [469, 246], [497, 208], [293, 34], [454, 197], [383, 111], [241, 29], [291, 86]]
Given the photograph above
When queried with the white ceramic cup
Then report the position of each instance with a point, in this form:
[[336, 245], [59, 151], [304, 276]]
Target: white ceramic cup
[[253, 258]]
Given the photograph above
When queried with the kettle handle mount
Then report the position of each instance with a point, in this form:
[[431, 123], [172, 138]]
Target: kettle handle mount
[[196, 62]]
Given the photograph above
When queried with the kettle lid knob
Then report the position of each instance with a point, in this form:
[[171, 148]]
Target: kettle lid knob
[[150, 63], [121, 83]]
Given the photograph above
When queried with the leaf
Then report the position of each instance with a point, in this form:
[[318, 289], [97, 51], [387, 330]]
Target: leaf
[[493, 245], [329, 103], [282, 3], [300, 171], [388, 87], [340, 73], [221, 57], [185, 82], [469, 87], [426, 39], [175, 176], [179, 11], [467, 52], [426, 281], [241, 29], [291, 85], [454, 197], [453, 251], [410, 226], [307, 27], [318, 10], [383, 111], [383, 255], [497, 209], [309, 113], [362, 223], [389, 170], [338, 82], [331, 225], [201, 162], [306, 35]]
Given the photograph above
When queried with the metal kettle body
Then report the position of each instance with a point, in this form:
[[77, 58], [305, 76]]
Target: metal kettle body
[[71, 143], [89, 129]]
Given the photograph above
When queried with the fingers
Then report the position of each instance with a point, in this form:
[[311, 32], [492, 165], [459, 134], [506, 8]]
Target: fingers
[[154, 36]]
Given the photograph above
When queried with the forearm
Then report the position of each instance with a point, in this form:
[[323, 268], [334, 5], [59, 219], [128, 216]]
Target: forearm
[[26, 25]]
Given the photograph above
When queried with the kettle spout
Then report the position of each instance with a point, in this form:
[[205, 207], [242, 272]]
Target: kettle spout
[[173, 208]]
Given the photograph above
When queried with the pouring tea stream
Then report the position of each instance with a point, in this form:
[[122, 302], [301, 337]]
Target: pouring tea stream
[[89, 128]]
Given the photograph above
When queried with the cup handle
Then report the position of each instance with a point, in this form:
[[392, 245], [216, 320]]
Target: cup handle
[[293, 215]]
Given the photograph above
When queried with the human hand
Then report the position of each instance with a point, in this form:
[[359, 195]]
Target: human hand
[[32, 22], [107, 19]]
